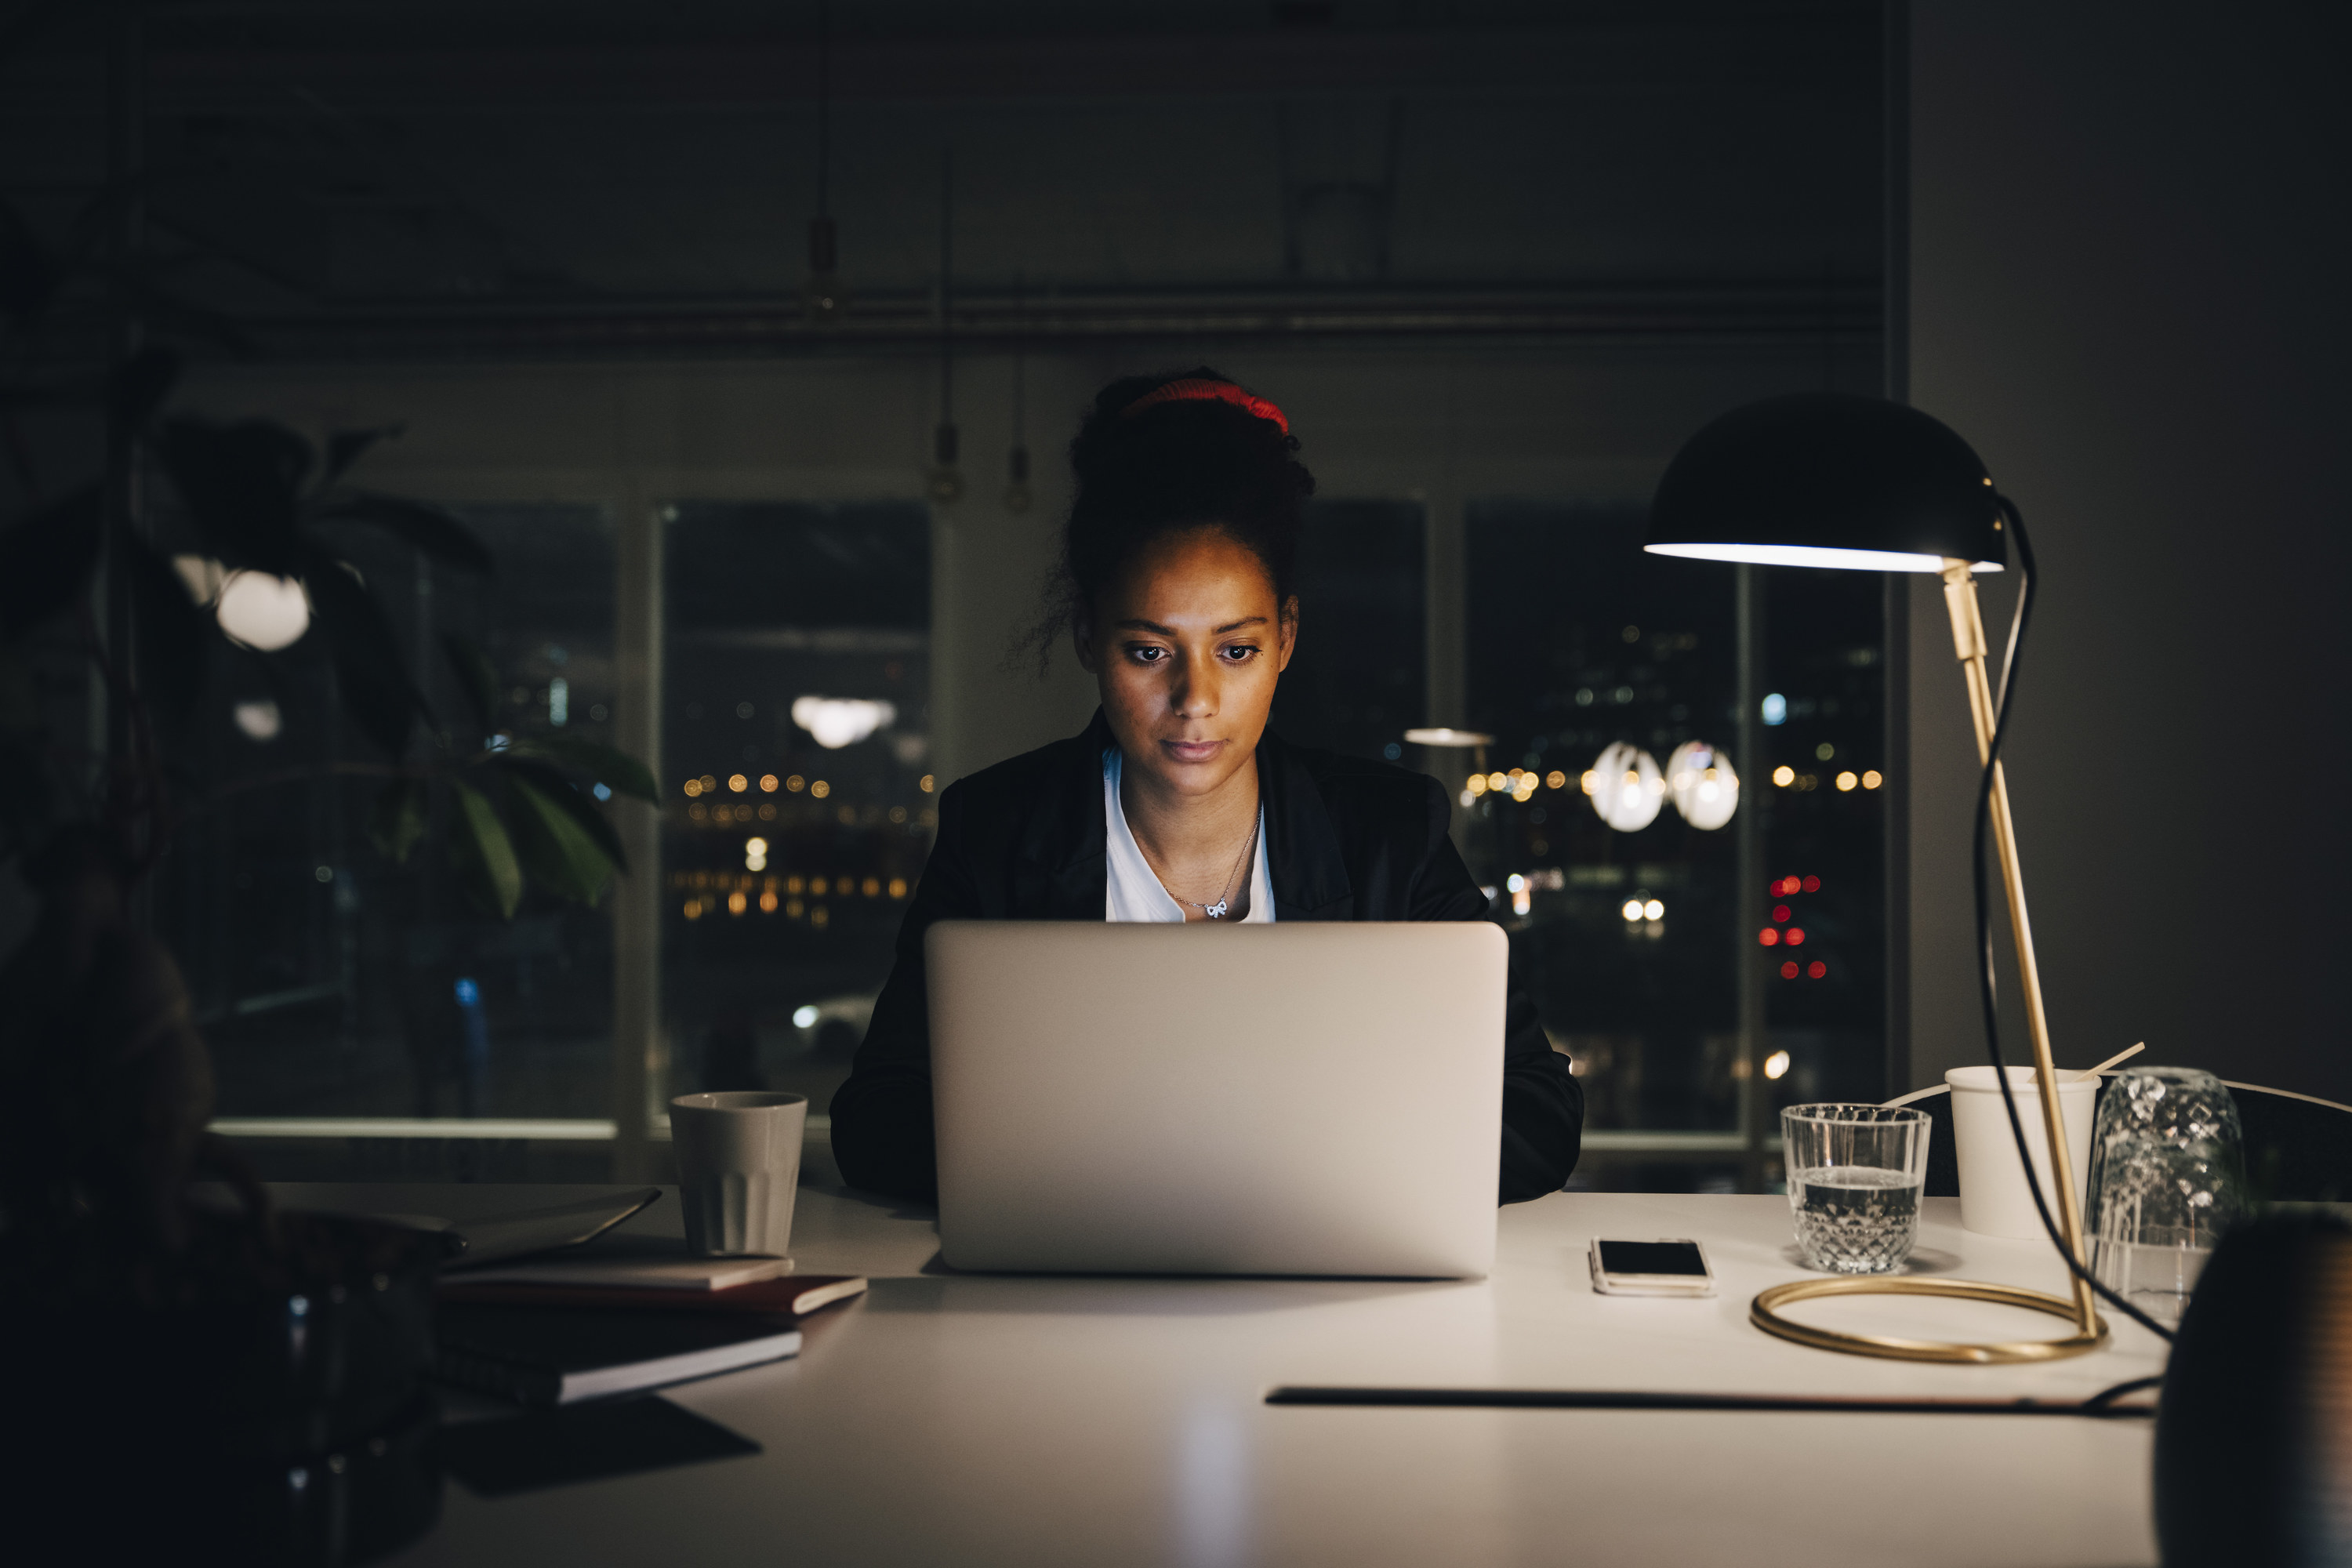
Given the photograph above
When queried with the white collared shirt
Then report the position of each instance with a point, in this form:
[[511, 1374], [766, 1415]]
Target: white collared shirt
[[1132, 891]]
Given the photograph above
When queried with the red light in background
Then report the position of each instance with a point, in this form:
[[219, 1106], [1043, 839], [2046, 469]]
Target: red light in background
[[1789, 970], [1813, 884], [1796, 937], [1768, 937], [1817, 969], [1780, 911]]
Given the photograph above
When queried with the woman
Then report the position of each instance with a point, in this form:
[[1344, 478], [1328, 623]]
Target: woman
[[1176, 803]]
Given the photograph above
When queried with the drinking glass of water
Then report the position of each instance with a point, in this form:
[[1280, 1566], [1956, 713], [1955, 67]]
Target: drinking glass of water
[[2167, 1180], [1854, 1175]]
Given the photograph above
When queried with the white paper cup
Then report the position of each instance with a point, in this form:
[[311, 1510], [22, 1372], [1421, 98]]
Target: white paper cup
[[1994, 1198], [739, 1165]]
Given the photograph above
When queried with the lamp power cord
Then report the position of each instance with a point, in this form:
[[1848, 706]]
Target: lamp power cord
[[1985, 985]]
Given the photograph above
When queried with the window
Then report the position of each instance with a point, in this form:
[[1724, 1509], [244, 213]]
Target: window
[[1578, 641], [1641, 936], [1824, 844], [329, 981], [796, 680]]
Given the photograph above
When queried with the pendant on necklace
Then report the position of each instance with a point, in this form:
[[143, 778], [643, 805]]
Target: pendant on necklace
[[1215, 911]]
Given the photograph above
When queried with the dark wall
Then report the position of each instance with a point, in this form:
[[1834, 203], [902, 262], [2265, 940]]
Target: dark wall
[[2130, 251]]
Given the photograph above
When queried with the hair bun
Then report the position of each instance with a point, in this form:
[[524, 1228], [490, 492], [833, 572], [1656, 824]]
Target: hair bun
[[1183, 462], [1122, 394]]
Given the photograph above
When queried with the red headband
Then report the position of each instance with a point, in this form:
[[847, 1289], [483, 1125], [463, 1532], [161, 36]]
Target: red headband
[[1207, 392]]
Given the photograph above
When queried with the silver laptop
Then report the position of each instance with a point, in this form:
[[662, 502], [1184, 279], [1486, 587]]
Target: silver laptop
[[1300, 1099]]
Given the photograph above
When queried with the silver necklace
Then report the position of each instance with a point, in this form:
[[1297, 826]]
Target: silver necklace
[[1219, 910]]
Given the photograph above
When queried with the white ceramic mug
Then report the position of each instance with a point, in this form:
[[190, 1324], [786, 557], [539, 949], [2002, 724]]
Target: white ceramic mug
[[1994, 1198], [739, 1165]]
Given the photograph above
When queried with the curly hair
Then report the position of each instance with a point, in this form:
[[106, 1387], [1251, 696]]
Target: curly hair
[[1166, 468]]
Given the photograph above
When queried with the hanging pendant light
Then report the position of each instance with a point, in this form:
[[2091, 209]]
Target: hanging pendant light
[[945, 484], [263, 612], [1705, 789], [1627, 790], [824, 298], [1016, 493]]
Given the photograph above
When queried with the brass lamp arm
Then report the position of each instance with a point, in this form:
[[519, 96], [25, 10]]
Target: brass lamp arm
[[1968, 643]]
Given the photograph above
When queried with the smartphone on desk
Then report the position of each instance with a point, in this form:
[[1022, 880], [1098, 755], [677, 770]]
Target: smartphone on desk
[[1663, 1268]]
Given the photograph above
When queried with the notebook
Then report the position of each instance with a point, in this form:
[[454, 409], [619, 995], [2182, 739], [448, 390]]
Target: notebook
[[551, 1355]]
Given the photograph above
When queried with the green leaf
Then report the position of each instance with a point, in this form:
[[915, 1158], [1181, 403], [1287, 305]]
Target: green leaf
[[615, 769], [560, 854], [46, 559], [240, 483], [369, 669], [550, 782], [398, 820], [476, 678], [344, 447], [430, 528], [484, 854]]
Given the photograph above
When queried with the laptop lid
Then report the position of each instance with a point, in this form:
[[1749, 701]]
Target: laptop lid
[[1305, 1098]]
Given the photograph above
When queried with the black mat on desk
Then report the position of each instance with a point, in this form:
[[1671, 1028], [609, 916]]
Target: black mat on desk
[[585, 1443]]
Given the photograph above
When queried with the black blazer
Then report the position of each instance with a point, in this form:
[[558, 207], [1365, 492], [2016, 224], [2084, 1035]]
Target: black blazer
[[1346, 840]]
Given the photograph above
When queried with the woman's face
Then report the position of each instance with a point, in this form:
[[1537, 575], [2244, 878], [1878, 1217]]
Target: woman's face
[[1186, 646]]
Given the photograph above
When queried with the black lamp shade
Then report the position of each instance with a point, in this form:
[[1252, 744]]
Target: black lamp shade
[[1826, 478]]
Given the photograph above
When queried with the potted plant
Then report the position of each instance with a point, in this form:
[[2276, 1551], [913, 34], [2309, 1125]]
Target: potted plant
[[272, 1361]]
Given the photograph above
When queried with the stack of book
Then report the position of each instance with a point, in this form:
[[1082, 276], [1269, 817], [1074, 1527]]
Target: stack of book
[[558, 1331]]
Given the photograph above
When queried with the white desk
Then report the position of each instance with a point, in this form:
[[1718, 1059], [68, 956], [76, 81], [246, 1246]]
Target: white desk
[[959, 1420]]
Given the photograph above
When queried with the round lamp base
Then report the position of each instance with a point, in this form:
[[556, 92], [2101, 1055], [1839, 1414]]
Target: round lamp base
[[1764, 1312]]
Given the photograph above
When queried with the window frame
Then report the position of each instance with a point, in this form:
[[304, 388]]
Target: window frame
[[634, 497]]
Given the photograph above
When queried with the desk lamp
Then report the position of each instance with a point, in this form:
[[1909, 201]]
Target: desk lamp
[[1829, 480]]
